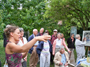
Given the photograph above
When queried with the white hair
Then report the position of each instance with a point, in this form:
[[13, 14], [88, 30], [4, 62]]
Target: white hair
[[58, 33], [77, 36], [61, 47], [34, 30], [42, 28]]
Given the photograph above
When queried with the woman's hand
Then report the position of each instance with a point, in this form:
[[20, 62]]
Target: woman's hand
[[25, 58], [61, 63], [53, 54], [66, 64], [43, 38], [69, 51]]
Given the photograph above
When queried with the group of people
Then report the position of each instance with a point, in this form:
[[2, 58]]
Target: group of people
[[42, 47]]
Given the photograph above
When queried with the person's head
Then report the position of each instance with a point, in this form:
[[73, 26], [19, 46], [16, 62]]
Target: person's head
[[12, 32], [55, 32], [72, 35], [41, 30], [45, 34], [35, 32], [46, 31], [62, 35], [62, 50], [78, 36], [58, 35], [21, 32]]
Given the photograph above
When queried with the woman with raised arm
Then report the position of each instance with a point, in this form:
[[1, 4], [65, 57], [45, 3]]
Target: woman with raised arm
[[13, 51]]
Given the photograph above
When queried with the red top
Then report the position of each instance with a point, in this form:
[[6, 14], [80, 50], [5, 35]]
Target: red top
[[53, 38]]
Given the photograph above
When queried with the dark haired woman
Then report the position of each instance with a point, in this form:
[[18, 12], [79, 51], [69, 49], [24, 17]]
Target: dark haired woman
[[13, 51]]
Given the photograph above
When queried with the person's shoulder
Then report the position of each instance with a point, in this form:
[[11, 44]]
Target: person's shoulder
[[69, 38], [10, 44], [38, 34], [52, 35], [24, 37], [41, 42], [66, 52], [56, 39], [31, 35], [58, 53]]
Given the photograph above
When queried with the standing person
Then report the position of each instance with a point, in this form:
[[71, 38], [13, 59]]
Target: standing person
[[71, 46], [80, 50], [13, 51], [59, 43], [44, 49], [21, 42], [53, 37], [34, 56], [41, 32], [61, 58]]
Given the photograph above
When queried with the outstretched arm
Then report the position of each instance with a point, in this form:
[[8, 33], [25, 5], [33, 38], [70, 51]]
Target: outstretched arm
[[19, 49]]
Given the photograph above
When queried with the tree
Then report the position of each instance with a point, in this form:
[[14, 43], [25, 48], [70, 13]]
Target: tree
[[76, 12], [23, 13]]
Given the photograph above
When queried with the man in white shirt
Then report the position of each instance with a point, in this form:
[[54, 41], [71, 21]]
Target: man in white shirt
[[80, 47]]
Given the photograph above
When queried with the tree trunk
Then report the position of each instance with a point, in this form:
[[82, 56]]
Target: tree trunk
[[87, 25], [83, 27]]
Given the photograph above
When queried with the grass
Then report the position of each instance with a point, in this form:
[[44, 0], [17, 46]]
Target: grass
[[2, 55]]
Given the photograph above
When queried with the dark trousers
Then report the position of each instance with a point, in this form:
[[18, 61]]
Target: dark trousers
[[24, 64], [51, 59]]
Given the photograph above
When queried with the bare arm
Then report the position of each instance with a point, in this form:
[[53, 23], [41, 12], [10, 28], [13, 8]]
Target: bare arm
[[24, 54], [54, 43], [66, 46], [20, 49]]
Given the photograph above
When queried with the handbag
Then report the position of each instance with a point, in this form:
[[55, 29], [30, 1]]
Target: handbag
[[6, 64]]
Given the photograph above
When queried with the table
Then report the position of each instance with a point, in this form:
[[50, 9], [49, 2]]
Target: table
[[84, 62]]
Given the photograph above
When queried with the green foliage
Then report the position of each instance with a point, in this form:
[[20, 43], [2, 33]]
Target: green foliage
[[29, 17], [43, 13], [2, 53], [71, 12]]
